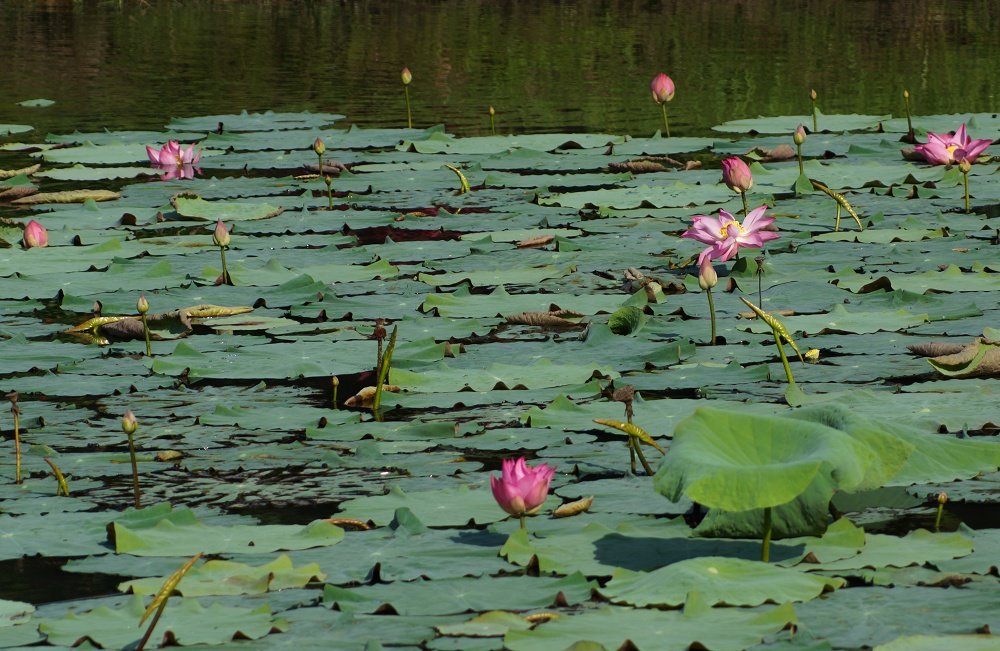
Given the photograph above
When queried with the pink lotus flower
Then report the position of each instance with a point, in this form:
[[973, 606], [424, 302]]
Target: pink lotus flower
[[945, 149], [725, 235], [175, 160], [736, 175], [663, 88], [35, 235], [522, 489]]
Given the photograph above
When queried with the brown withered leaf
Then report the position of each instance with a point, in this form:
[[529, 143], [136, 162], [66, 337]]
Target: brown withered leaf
[[9, 174], [366, 396], [550, 319], [577, 507], [935, 349], [772, 154], [638, 166], [751, 315], [534, 242], [67, 196], [17, 192]]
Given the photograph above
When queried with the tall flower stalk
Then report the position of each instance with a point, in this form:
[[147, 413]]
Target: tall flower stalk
[[815, 111], [493, 125], [406, 76], [910, 135], [15, 411], [129, 426], [142, 306], [707, 279], [220, 237], [799, 138], [662, 88], [965, 166]]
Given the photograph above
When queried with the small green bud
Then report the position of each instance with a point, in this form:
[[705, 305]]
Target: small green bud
[[406, 76], [319, 146], [142, 305], [221, 234], [129, 423]]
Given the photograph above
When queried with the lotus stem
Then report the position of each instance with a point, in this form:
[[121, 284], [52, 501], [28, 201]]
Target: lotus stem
[[161, 598], [152, 625], [16, 412], [634, 442], [798, 153], [746, 210], [711, 312], [523, 527], [226, 278], [941, 499], [836, 221], [666, 121], [631, 457], [765, 545], [812, 97], [909, 122], [62, 487], [493, 126], [965, 183], [409, 116], [145, 332], [784, 358], [129, 426], [383, 374], [336, 385]]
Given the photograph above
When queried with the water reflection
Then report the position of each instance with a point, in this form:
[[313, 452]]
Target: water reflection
[[543, 65]]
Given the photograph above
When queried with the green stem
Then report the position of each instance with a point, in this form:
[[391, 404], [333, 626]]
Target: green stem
[[784, 359], [17, 448], [666, 122], [320, 165], [965, 182], [637, 446], [836, 223], [135, 470], [765, 546], [746, 211], [329, 193], [493, 126], [145, 331], [815, 127], [631, 456], [523, 527], [798, 150], [226, 278], [760, 290], [937, 520], [152, 625], [909, 122], [711, 312], [409, 117]]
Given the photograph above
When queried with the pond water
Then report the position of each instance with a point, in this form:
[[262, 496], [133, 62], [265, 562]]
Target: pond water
[[545, 66]]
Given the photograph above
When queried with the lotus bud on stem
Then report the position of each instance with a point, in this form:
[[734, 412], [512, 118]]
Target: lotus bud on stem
[[319, 147], [812, 97], [662, 88], [799, 138], [965, 166], [142, 306], [335, 381], [15, 411], [407, 77], [911, 137], [329, 191], [35, 236], [220, 236], [707, 279], [942, 498], [129, 426], [737, 177], [493, 126]]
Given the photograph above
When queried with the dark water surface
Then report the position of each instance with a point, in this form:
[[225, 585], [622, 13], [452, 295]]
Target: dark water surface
[[545, 66]]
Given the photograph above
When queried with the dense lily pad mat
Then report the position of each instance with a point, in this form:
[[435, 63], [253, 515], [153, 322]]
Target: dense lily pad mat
[[555, 291]]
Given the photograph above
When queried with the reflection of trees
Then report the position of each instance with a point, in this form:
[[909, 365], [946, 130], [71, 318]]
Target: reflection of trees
[[570, 65]]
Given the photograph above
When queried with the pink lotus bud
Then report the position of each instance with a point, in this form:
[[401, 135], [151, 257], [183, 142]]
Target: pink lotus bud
[[522, 489], [663, 88], [707, 278], [142, 305], [406, 76], [35, 235], [221, 235], [799, 136], [319, 146], [736, 175], [129, 423]]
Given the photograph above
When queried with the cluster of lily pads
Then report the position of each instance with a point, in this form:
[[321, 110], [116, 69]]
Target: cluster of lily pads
[[303, 477]]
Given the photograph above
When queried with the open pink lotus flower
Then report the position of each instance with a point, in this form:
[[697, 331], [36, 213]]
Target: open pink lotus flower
[[179, 163], [946, 149], [725, 235], [522, 489]]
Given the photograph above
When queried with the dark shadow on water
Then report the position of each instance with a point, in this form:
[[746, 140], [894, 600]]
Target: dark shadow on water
[[40, 579], [644, 554], [480, 538]]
